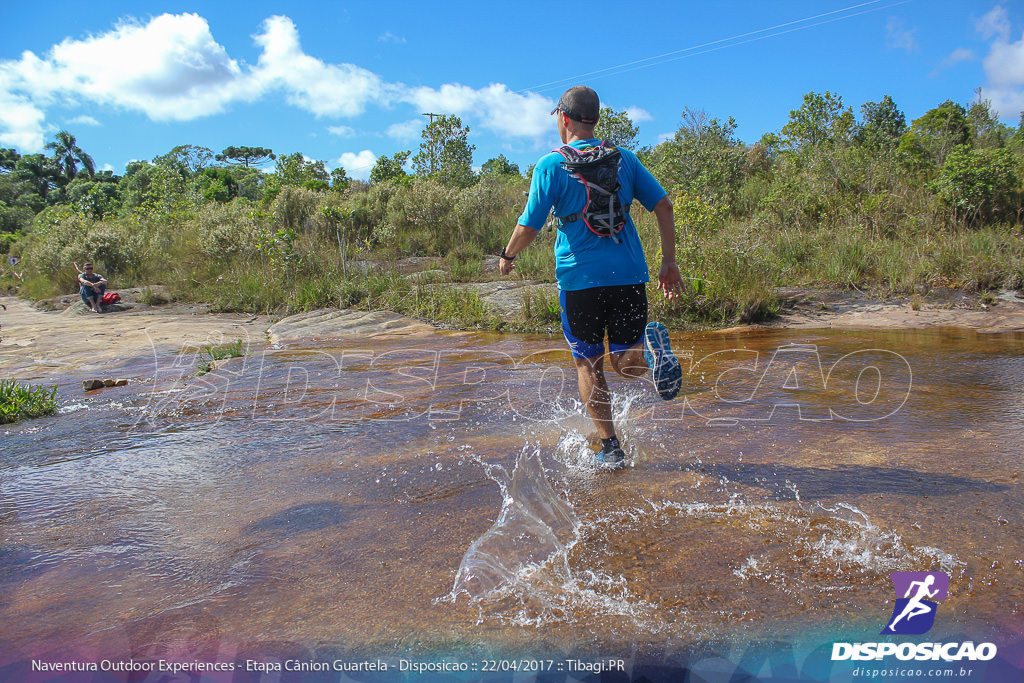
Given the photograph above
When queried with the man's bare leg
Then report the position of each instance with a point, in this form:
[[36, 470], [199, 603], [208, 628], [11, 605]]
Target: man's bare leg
[[630, 363], [594, 392]]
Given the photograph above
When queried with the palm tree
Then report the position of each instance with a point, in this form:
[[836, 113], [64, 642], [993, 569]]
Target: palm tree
[[68, 155]]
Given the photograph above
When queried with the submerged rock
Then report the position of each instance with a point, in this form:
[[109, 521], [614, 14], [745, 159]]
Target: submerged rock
[[90, 384]]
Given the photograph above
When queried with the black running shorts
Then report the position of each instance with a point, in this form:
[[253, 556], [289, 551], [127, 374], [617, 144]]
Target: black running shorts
[[588, 315]]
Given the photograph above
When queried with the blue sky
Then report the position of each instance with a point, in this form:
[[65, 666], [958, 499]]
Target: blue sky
[[346, 82]]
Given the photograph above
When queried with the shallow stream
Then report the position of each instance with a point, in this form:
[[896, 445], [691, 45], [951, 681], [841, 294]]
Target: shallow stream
[[437, 498]]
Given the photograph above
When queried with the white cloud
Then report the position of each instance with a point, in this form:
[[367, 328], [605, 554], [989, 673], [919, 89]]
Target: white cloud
[[898, 37], [358, 165], [995, 23], [342, 131], [494, 108], [636, 114], [1004, 65], [83, 120], [172, 69], [169, 69], [323, 89], [406, 131], [389, 37], [21, 122], [955, 57]]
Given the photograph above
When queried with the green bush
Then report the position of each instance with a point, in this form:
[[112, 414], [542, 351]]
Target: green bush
[[18, 402]]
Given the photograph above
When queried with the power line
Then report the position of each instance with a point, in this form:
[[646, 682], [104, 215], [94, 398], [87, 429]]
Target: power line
[[678, 54]]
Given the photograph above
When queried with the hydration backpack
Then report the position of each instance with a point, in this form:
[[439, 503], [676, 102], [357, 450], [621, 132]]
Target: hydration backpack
[[598, 169]]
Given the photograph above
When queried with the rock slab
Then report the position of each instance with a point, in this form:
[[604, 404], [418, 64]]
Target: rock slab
[[332, 322]]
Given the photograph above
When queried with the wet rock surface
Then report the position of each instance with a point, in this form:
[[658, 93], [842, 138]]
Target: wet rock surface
[[333, 322]]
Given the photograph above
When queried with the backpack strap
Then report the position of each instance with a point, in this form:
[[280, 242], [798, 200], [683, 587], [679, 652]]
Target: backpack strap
[[573, 217]]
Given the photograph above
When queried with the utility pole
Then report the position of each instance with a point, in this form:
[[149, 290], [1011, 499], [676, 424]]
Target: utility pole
[[433, 166]]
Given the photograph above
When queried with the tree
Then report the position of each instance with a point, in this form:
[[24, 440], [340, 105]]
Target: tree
[[246, 156], [295, 169], [135, 183], [155, 190], [94, 197], [339, 179], [499, 167], [979, 184], [937, 133], [390, 169], [217, 184], [616, 127], [882, 125], [67, 155], [190, 158], [18, 204], [703, 160], [820, 120], [986, 129], [445, 153], [250, 181], [8, 160], [40, 172]]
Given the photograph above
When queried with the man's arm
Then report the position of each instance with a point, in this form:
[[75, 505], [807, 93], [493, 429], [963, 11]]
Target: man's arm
[[521, 238], [670, 281]]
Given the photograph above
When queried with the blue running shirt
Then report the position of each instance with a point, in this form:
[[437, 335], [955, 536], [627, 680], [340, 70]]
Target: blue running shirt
[[582, 258]]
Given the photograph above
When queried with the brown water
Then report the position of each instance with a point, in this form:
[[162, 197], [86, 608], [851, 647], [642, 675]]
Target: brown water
[[438, 498]]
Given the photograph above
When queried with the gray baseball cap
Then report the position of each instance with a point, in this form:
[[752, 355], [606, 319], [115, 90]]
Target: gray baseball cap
[[580, 103]]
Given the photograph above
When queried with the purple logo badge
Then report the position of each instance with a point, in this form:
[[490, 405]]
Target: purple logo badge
[[916, 596]]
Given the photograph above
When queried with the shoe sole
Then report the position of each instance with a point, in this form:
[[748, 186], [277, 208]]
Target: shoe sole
[[665, 369]]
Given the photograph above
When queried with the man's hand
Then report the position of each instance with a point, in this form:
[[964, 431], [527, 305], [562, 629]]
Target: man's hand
[[670, 282], [521, 238]]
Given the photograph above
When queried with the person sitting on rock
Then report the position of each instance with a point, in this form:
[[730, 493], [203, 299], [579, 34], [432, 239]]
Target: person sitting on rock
[[93, 286]]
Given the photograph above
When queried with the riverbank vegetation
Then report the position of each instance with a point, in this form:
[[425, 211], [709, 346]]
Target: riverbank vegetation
[[835, 199], [19, 401]]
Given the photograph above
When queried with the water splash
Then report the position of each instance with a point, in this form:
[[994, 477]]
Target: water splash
[[532, 534], [520, 569], [836, 541]]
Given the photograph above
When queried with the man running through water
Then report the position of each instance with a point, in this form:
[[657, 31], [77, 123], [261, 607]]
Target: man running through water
[[601, 277]]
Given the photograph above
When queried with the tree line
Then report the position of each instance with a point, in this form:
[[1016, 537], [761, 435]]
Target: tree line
[[834, 197]]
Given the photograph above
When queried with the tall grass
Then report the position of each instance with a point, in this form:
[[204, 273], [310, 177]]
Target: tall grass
[[309, 250]]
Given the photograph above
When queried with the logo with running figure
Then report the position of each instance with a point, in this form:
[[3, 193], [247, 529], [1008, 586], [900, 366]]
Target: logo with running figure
[[916, 596]]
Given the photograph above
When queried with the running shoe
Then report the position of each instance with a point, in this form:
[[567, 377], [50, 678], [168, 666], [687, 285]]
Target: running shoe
[[612, 457], [665, 369]]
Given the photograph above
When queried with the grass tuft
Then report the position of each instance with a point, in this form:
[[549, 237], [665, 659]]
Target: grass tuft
[[18, 401], [208, 355]]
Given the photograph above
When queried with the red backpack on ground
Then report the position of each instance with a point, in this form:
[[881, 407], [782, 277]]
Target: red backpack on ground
[[110, 298]]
